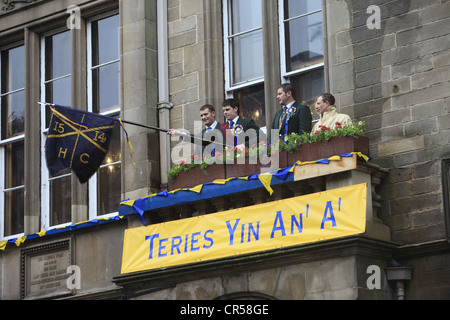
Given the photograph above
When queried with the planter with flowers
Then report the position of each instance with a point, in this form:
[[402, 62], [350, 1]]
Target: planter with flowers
[[326, 142], [188, 174], [242, 162]]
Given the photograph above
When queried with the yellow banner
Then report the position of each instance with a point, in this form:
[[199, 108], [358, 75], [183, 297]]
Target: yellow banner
[[314, 217]]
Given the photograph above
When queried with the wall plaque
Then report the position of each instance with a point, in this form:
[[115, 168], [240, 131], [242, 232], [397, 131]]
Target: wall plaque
[[44, 270]]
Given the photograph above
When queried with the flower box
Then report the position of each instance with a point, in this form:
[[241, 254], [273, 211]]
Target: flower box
[[238, 169], [282, 161], [325, 149], [324, 143], [252, 166], [197, 176]]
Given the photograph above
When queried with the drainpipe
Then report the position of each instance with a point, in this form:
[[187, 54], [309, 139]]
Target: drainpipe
[[164, 105], [399, 275]]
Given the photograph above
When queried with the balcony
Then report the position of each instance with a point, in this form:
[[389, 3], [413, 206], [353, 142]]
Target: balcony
[[244, 193], [319, 167]]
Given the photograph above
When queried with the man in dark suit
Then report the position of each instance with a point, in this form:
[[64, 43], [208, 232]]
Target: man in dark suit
[[236, 125], [211, 132], [293, 117]]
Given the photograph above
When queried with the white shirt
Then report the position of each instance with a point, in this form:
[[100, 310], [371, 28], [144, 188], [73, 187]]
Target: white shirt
[[234, 121], [213, 126]]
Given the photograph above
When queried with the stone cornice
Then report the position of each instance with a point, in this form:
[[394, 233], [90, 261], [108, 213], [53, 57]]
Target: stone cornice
[[10, 5], [329, 249]]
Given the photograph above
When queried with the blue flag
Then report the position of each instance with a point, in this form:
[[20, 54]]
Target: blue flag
[[77, 140]]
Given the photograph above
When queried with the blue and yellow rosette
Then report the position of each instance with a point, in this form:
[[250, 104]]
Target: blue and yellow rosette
[[238, 129], [291, 110]]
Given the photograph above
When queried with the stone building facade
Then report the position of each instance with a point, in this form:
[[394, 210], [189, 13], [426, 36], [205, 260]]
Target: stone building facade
[[156, 62]]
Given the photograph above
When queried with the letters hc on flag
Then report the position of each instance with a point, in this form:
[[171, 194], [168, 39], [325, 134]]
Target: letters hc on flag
[[77, 140]]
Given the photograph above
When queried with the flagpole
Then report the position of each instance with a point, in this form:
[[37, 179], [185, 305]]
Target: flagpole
[[142, 125], [165, 130], [153, 128]]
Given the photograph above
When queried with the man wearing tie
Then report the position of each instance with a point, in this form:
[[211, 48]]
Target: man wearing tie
[[293, 117], [235, 123], [212, 128], [209, 133]]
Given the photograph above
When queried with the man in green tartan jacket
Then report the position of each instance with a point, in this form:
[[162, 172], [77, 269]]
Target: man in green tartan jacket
[[293, 116]]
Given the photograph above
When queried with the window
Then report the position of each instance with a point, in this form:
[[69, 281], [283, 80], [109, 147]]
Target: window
[[56, 88], [301, 52], [105, 64], [244, 63], [12, 124], [301, 34], [245, 41], [253, 103], [104, 98], [57, 73]]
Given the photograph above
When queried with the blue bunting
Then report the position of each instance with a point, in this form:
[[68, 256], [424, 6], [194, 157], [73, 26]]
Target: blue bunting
[[139, 206]]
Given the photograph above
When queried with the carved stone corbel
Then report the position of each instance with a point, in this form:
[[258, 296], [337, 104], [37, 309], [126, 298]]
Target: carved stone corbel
[[9, 5]]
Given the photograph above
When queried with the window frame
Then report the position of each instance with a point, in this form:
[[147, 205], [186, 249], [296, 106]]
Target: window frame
[[93, 181], [3, 144], [228, 56], [286, 75], [45, 176]]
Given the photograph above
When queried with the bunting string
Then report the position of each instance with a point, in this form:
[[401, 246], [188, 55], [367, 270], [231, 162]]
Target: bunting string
[[266, 178]]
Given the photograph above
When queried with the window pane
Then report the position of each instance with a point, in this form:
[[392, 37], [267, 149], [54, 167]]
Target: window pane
[[105, 36], [106, 97], [14, 165], [109, 177], [114, 154], [58, 92], [57, 55], [246, 15], [14, 210], [109, 189], [13, 69], [105, 83], [304, 48], [13, 114], [294, 8], [252, 103], [61, 200], [248, 61], [309, 85]]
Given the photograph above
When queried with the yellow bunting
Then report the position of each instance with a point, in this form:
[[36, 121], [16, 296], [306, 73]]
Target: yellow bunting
[[266, 179], [197, 189], [20, 240]]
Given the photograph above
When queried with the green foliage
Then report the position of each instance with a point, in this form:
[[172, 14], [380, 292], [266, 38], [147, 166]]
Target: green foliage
[[294, 141]]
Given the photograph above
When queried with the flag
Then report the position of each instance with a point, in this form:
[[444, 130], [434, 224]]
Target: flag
[[77, 140]]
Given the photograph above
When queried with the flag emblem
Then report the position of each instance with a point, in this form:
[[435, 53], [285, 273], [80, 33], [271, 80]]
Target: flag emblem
[[78, 140]]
